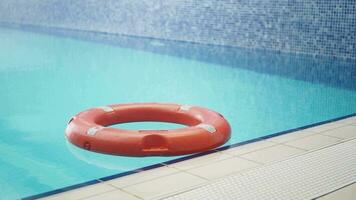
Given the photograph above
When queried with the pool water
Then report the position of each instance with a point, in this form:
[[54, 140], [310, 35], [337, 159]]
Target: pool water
[[46, 79]]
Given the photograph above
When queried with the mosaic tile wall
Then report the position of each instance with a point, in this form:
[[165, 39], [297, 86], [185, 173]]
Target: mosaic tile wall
[[317, 27]]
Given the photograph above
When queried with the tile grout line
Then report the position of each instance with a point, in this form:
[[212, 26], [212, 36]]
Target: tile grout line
[[254, 161], [223, 151], [291, 146], [308, 132], [206, 179], [129, 185], [201, 165], [337, 122], [332, 136], [128, 192], [83, 198], [160, 196]]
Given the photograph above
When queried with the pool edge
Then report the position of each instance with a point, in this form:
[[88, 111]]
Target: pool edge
[[114, 176]]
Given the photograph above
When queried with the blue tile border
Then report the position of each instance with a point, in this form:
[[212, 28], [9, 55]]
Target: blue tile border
[[107, 178], [326, 70], [306, 26]]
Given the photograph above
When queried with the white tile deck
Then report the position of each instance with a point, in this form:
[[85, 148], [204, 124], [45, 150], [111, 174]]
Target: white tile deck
[[114, 195], [164, 185], [325, 127], [291, 136], [313, 142], [345, 132], [84, 192], [247, 148], [272, 154], [303, 177], [200, 161], [197, 172], [350, 120], [223, 168], [142, 177]]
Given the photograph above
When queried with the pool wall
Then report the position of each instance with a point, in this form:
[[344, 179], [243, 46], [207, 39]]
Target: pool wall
[[307, 26]]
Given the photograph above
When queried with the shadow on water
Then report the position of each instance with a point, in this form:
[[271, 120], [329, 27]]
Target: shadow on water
[[336, 72]]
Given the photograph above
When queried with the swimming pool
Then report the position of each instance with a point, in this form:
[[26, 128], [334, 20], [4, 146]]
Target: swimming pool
[[45, 79]]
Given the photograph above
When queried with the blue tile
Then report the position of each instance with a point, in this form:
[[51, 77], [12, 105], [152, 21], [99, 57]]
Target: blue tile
[[315, 27]]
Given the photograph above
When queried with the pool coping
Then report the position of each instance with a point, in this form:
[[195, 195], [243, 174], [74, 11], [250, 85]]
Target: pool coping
[[135, 171]]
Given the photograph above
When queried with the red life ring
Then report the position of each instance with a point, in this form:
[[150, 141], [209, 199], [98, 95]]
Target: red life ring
[[205, 130]]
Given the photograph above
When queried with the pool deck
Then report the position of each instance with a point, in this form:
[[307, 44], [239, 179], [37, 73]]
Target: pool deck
[[188, 175]]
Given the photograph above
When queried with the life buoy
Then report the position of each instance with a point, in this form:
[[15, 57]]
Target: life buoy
[[205, 130]]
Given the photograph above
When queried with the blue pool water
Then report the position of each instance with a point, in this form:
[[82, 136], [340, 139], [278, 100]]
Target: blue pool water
[[45, 79]]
